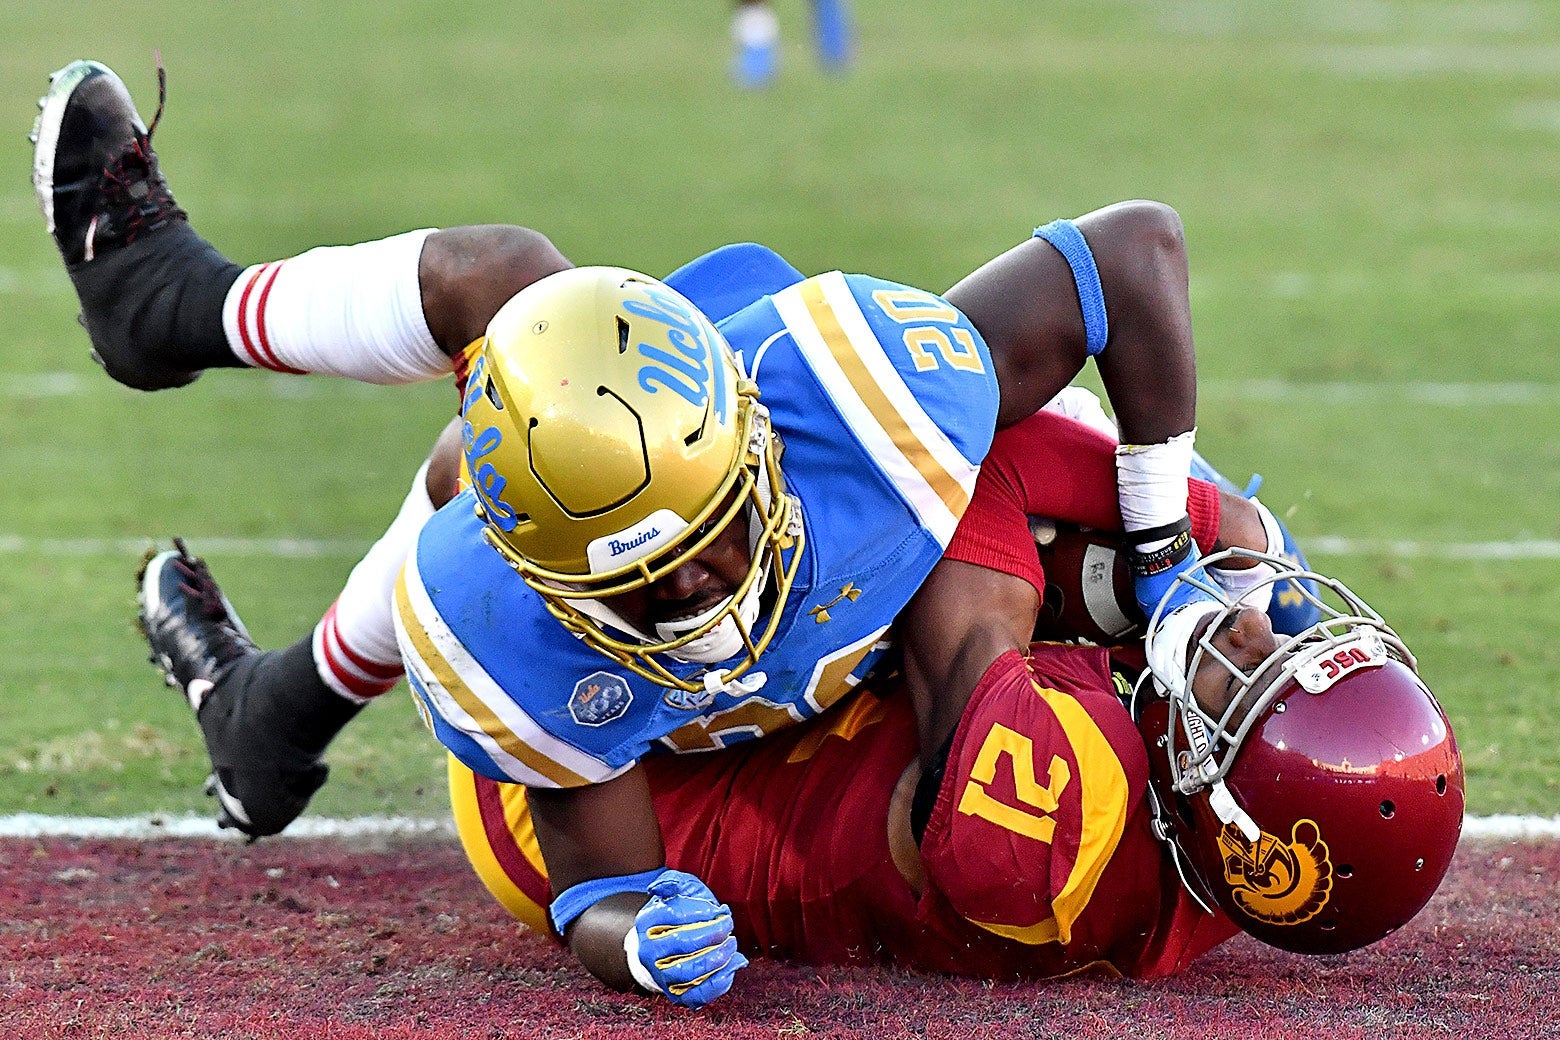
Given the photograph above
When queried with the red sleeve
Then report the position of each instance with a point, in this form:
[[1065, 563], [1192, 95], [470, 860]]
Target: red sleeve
[[1052, 466], [1045, 772]]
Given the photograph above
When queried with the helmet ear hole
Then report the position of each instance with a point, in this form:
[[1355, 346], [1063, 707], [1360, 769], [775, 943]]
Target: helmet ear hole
[[1345, 870], [1388, 810], [1440, 784]]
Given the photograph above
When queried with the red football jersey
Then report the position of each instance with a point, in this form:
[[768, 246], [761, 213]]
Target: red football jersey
[[1051, 466], [1038, 857]]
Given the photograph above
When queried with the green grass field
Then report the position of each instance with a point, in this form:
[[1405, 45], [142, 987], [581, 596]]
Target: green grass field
[[1368, 189]]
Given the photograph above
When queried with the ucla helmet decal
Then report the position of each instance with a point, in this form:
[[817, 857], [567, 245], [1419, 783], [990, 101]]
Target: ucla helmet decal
[[608, 435]]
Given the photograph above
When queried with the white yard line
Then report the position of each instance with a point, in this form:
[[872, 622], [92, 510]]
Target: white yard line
[[292, 548], [1446, 395], [148, 828], [83, 382], [1527, 549], [334, 548]]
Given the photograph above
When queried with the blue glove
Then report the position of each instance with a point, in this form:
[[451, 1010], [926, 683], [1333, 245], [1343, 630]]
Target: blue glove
[[681, 944], [1154, 573]]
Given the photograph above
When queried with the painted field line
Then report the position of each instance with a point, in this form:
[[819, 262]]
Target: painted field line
[[1449, 395], [151, 828], [303, 548], [1526, 549], [86, 383], [34, 385], [291, 548]]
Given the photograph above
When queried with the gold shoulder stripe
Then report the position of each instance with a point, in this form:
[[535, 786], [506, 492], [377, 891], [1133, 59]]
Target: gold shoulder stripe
[[909, 443]]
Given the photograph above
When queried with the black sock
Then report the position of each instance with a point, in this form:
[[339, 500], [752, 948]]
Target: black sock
[[277, 699], [154, 308]]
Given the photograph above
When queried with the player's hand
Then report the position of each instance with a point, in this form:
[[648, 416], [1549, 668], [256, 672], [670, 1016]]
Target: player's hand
[[681, 944]]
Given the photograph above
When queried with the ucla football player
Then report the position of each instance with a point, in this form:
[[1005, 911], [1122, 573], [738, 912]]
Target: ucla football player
[[694, 507]]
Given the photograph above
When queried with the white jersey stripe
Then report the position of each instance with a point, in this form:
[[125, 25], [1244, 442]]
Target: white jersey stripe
[[930, 433], [473, 703], [933, 512]]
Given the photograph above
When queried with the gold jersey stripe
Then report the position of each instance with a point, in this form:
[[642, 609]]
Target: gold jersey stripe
[[909, 443], [1103, 792], [445, 675]]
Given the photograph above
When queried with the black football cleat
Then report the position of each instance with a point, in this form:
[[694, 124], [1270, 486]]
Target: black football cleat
[[260, 776], [151, 289], [94, 170]]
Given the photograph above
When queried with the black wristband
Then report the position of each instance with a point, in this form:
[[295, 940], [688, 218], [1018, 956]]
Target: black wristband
[[1165, 558], [1154, 534]]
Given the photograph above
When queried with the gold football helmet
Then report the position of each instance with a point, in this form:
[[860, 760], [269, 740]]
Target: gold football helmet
[[608, 435]]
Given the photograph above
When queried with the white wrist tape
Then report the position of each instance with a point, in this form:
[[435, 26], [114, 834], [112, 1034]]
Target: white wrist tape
[[1253, 586], [1151, 482], [353, 311], [1239, 583], [636, 967], [1275, 534]]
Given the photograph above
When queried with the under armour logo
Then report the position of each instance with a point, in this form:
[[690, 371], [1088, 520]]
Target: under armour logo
[[849, 591]]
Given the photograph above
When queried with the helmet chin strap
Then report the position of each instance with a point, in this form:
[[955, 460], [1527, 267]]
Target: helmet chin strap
[[1168, 658], [1220, 800], [725, 639], [728, 637]]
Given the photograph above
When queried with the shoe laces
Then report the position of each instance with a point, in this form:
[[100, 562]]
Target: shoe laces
[[133, 182], [207, 601]]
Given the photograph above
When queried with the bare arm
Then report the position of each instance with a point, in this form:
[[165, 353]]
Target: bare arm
[[604, 830], [1025, 305], [963, 618]]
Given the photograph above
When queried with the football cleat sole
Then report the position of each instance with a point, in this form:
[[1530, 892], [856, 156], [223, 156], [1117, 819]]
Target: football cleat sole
[[45, 134]]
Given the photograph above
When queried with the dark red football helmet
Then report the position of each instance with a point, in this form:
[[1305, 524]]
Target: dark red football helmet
[[1321, 809]]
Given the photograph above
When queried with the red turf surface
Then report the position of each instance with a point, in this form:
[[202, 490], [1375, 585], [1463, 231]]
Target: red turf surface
[[297, 939]]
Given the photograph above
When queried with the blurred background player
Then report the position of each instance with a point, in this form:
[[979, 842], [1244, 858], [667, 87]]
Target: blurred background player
[[755, 31]]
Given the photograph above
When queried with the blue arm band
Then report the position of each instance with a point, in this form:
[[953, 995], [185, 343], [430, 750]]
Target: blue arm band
[[575, 900], [1069, 241]]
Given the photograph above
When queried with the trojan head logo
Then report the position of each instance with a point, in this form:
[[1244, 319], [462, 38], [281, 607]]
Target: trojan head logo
[[1275, 881]]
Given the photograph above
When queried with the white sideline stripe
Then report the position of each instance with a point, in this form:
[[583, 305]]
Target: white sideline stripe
[[151, 828], [291, 548], [306, 548]]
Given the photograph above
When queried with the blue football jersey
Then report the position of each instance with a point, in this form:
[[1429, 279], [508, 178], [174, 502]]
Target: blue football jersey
[[885, 399]]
